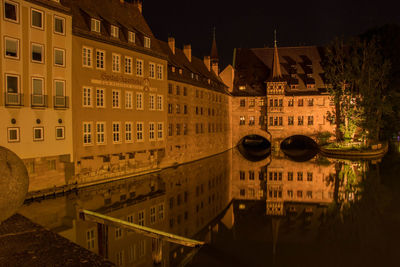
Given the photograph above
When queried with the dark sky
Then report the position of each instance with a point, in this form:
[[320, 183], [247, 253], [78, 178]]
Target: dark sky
[[251, 23]]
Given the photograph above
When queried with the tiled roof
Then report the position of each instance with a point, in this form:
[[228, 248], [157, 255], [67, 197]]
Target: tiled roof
[[254, 68], [195, 66], [112, 12], [51, 5]]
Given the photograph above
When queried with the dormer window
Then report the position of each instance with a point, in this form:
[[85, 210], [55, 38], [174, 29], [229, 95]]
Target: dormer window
[[147, 42], [192, 75], [173, 69], [114, 31], [95, 25], [242, 87], [180, 71], [131, 37]]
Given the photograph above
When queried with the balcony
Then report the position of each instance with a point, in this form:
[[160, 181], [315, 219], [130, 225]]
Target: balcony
[[61, 102], [14, 99], [38, 101], [275, 109]]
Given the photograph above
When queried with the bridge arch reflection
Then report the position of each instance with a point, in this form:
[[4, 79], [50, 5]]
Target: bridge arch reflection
[[254, 147], [299, 147]]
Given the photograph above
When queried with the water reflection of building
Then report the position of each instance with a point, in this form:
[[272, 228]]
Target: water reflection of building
[[183, 201]]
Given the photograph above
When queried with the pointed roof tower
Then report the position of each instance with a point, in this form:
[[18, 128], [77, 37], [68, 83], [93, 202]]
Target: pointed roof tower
[[276, 68], [214, 51]]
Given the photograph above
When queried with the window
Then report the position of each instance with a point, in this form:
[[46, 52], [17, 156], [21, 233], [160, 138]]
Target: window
[[131, 37], [59, 25], [128, 132], [147, 42], [90, 239], [290, 120], [290, 176], [116, 98], [95, 25], [160, 72], [152, 104], [299, 194], [160, 134], [184, 91], [300, 102], [159, 102], [119, 258], [38, 134], [152, 131], [309, 176], [11, 48], [242, 102], [37, 53], [100, 133], [52, 164], [139, 131], [290, 193], [160, 212], [299, 176], [118, 233], [170, 89], [251, 175], [13, 134], [11, 11], [170, 129], [128, 65], [38, 98], [87, 57], [310, 102], [310, 120], [116, 63], [152, 73], [170, 108], [185, 129], [59, 55], [252, 120], [116, 127], [178, 109], [114, 31], [60, 132], [59, 98], [141, 218], [139, 101], [242, 120], [178, 129], [152, 215], [185, 109], [128, 100], [100, 95], [37, 19], [142, 248], [139, 67], [300, 120], [100, 59], [290, 103], [87, 97], [252, 102], [87, 133]]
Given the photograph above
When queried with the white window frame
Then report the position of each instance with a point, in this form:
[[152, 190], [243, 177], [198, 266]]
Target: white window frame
[[142, 217], [153, 214], [41, 89], [152, 131], [87, 96], [160, 211], [42, 19], [152, 102], [116, 132], [160, 130], [128, 132], [91, 238], [41, 129], [160, 102], [5, 50], [128, 65], [114, 31], [128, 99], [100, 98], [62, 128], [116, 62], [16, 11], [63, 57], [95, 25], [87, 133], [101, 60], [139, 101], [147, 42], [101, 135], [87, 57], [116, 98], [9, 129], [160, 72], [139, 131], [139, 67], [63, 25], [152, 70], [42, 52], [63, 93], [131, 37]]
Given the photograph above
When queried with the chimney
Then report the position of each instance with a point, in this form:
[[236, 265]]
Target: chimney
[[171, 44], [207, 62], [187, 49], [215, 67], [137, 3]]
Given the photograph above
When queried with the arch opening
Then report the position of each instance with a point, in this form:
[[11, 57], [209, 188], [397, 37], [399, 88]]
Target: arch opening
[[254, 147], [299, 147]]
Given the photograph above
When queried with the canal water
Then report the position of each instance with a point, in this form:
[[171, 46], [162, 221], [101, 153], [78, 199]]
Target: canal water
[[273, 212]]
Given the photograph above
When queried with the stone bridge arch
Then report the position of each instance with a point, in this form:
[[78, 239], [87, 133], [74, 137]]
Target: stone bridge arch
[[248, 132]]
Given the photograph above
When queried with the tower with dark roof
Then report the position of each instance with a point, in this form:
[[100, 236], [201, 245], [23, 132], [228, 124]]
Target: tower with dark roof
[[276, 85], [214, 55]]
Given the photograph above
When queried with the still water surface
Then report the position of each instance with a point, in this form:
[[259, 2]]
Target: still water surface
[[274, 212]]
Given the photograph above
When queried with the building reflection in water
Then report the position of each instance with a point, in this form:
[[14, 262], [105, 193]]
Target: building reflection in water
[[198, 200]]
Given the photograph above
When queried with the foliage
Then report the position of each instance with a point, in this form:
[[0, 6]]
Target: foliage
[[323, 137]]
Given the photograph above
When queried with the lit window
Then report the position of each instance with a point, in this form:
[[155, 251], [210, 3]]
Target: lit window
[[59, 25], [13, 134], [139, 131], [152, 131], [114, 31], [116, 126], [147, 42], [139, 67], [131, 37], [11, 11], [11, 48], [128, 65], [95, 25], [87, 56], [37, 53], [38, 134], [152, 70], [100, 133], [116, 62], [37, 19], [59, 55], [87, 133], [242, 120], [128, 132]]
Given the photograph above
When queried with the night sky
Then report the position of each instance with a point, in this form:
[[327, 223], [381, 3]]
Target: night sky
[[251, 23]]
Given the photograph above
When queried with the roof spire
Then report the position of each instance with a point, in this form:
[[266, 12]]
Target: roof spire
[[276, 69], [214, 51]]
